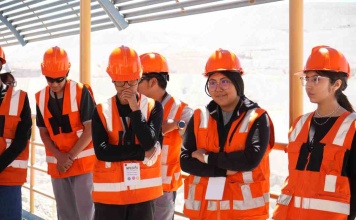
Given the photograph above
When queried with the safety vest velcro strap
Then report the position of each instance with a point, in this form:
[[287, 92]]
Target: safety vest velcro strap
[[284, 199], [84, 153], [322, 205], [118, 187], [19, 164]]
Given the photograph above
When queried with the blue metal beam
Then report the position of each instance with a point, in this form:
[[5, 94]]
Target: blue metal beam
[[114, 15], [13, 30]]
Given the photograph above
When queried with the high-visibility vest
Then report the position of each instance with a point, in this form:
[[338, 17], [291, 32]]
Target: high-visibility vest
[[65, 139], [109, 185], [323, 193], [14, 174], [172, 142], [246, 194]]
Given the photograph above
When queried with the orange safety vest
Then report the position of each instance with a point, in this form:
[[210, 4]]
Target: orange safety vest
[[172, 142], [109, 186], [246, 194], [65, 140], [323, 194], [11, 107]]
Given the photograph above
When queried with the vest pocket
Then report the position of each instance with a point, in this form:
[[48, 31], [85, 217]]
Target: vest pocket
[[10, 126], [248, 200], [195, 205], [284, 202]]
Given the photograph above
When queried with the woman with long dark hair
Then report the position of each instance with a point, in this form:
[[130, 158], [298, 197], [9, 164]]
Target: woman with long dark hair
[[322, 144]]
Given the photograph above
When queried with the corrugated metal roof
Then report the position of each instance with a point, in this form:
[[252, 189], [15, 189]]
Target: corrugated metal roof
[[29, 21]]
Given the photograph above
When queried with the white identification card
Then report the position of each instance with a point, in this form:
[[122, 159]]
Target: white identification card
[[215, 189], [132, 174]]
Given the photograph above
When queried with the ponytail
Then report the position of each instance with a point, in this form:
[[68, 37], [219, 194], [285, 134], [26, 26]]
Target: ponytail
[[339, 95], [343, 101]]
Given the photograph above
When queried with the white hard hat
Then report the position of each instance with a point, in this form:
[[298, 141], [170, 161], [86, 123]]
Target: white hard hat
[[6, 68]]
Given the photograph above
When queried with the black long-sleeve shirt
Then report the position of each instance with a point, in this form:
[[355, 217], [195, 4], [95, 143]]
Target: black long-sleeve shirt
[[87, 105], [22, 135], [218, 163], [146, 131]]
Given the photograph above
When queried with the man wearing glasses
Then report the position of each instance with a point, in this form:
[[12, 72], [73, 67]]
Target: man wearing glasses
[[6, 77], [127, 173], [15, 132], [64, 109], [176, 115]]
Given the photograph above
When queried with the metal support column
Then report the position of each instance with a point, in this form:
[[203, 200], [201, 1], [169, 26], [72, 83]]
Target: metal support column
[[85, 41], [295, 58]]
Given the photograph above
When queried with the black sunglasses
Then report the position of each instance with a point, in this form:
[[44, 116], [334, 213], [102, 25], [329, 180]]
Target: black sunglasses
[[53, 80]]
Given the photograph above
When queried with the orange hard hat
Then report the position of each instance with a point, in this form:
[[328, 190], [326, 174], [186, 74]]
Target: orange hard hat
[[2, 56], [55, 63], [153, 63], [327, 58], [223, 60], [124, 64]]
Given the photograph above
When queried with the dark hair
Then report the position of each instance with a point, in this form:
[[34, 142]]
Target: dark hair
[[340, 96], [236, 79], [162, 78], [5, 76]]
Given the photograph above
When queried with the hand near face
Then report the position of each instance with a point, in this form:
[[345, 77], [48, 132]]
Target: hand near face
[[130, 97]]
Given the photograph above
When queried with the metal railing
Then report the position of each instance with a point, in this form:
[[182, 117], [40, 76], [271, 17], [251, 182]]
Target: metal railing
[[32, 168]]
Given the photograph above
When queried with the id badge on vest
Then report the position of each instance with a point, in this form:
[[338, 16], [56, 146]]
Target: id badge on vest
[[132, 174], [215, 189]]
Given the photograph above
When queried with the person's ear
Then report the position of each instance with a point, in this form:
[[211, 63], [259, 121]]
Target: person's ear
[[153, 82], [337, 85]]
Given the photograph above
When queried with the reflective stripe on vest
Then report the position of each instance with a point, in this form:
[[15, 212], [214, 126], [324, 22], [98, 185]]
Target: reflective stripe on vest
[[8, 142], [107, 113], [322, 205], [341, 133], [298, 127], [248, 201], [73, 98], [173, 106], [13, 110], [167, 179], [105, 185], [84, 153], [284, 199], [204, 119], [22, 164], [14, 102], [246, 120], [119, 187], [190, 203]]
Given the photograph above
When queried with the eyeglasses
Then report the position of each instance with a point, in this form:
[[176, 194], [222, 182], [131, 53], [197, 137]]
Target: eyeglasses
[[144, 78], [313, 79], [53, 80], [11, 83], [213, 85], [122, 83]]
